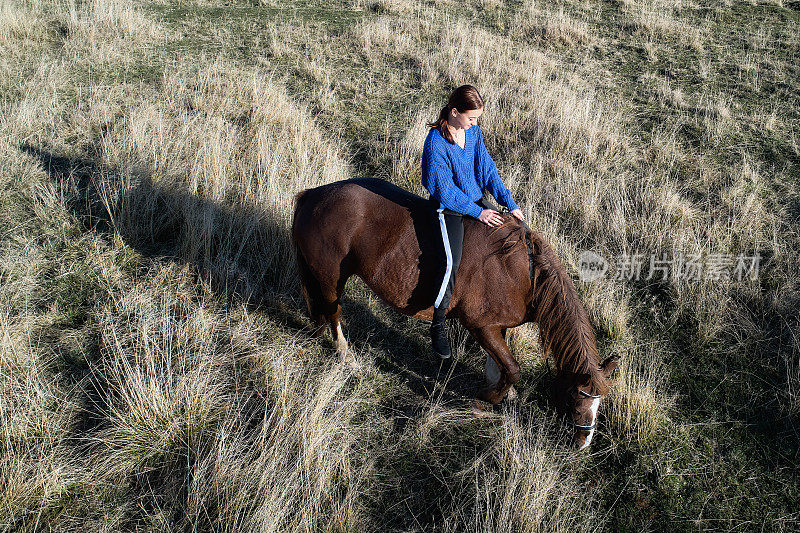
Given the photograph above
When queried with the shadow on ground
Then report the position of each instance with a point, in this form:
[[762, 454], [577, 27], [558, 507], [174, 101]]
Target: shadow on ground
[[152, 221]]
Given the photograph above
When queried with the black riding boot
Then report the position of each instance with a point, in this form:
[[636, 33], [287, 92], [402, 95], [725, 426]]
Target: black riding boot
[[439, 334]]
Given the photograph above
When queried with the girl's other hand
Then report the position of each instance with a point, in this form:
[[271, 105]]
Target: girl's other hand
[[518, 213], [490, 217]]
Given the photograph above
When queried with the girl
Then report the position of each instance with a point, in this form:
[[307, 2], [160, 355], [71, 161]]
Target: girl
[[456, 169]]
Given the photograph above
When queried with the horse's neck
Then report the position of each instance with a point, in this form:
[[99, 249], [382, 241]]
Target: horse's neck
[[563, 322]]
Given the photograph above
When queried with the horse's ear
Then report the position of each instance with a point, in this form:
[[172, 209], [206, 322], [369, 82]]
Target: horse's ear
[[609, 365]]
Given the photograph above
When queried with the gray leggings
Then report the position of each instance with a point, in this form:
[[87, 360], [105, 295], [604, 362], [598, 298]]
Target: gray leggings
[[451, 225]]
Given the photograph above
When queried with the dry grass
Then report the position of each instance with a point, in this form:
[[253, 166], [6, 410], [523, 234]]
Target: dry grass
[[155, 367], [180, 396], [556, 27]]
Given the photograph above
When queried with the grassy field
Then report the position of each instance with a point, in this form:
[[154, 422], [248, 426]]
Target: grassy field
[[157, 371]]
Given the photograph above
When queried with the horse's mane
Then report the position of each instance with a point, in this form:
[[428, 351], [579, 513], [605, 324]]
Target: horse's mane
[[564, 327], [505, 239]]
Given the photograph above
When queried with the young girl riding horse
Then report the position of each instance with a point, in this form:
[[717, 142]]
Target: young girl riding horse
[[456, 169]]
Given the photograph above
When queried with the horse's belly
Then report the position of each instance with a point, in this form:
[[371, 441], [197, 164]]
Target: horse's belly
[[398, 280]]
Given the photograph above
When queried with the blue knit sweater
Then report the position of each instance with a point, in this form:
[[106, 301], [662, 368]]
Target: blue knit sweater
[[458, 176]]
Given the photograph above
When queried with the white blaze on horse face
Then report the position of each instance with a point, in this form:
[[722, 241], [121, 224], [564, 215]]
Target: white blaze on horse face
[[595, 405]]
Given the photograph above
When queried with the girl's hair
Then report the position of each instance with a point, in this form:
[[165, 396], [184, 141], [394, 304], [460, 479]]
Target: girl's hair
[[462, 99]]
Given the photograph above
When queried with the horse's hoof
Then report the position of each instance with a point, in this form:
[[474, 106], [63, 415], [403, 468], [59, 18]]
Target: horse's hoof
[[481, 406], [347, 360], [511, 395], [490, 395]]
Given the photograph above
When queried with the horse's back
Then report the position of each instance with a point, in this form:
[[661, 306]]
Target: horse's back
[[389, 192], [356, 201], [380, 230], [356, 191]]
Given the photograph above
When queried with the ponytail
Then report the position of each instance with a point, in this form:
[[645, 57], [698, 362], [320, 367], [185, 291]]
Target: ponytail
[[440, 123]]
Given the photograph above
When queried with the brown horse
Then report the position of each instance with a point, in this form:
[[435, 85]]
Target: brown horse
[[508, 275]]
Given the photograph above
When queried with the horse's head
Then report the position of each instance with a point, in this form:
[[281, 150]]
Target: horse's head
[[577, 398]]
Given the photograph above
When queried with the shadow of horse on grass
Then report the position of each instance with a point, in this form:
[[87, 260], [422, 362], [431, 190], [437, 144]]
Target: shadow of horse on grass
[[245, 253]]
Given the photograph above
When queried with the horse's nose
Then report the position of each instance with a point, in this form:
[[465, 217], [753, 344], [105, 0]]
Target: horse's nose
[[581, 440]]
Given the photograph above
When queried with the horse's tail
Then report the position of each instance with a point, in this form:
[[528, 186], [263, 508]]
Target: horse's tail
[[312, 293], [299, 200]]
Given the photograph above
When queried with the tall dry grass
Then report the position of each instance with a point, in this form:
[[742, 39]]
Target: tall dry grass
[[223, 152], [155, 369], [151, 398]]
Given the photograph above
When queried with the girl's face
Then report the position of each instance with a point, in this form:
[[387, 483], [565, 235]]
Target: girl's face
[[464, 120]]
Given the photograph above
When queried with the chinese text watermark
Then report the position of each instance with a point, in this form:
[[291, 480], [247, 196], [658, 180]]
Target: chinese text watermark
[[681, 267]]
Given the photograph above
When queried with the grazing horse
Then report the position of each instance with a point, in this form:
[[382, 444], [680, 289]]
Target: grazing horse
[[508, 275]]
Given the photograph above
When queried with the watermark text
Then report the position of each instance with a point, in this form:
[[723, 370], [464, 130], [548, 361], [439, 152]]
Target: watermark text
[[681, 267]]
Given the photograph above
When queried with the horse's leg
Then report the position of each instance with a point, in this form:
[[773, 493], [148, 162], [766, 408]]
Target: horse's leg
[[511, 395], [312, 293], [332, 290], [492, 373], [338, 335], [322, 292], [491, 339]]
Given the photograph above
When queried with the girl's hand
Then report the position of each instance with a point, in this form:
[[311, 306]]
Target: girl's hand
[[518, 213], [490, 217]]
